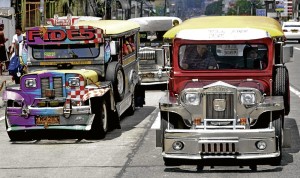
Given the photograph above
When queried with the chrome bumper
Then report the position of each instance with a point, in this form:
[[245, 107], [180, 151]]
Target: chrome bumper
[[220, 144]]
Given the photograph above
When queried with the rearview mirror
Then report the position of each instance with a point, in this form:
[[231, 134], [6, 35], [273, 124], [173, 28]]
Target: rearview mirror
[[287, 53]]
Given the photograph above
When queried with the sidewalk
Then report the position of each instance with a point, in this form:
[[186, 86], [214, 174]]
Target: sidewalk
[[4, 77]]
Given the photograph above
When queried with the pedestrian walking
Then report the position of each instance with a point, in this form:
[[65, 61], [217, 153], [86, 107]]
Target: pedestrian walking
[[3, 52]]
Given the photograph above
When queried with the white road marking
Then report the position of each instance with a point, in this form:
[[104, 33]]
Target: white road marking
[[1, 118]]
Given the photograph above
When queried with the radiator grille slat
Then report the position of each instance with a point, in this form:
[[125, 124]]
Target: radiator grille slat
[[58, 86], [45, 84], [217, 148], [228, 113]]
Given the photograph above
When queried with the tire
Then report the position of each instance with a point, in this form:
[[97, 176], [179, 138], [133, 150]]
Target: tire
[[281, 86], [139, 97], [131, 108], [277, 124], [100, 123], [17, 135], [163, 127], [115, 74]]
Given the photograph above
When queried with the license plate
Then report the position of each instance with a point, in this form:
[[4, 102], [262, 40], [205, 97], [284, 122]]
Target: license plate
[[294, 31], [47, 120]]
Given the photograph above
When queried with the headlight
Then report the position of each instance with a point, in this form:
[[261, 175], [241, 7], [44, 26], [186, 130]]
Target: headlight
[[191, 99], [30, 83], [74, 82], [248, 98]]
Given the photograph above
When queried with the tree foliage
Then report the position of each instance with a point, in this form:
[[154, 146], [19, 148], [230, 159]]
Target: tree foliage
[[214, 8], [244, 7]]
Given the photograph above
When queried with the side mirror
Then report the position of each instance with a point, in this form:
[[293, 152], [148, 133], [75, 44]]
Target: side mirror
[[114, 47], [287, 53]]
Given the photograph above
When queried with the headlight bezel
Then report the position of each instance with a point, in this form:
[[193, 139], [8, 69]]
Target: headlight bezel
[[248, 98], [187, 98], [30, 80], [74, 81]]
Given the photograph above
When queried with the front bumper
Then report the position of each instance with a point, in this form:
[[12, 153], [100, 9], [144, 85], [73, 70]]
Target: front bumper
[[154, 77], [79, 118], [220, 144]]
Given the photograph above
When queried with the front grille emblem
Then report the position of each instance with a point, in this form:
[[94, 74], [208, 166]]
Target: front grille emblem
[[219, 104]]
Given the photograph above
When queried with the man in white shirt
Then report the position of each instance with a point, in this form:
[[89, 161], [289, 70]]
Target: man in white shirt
[[17, 38]]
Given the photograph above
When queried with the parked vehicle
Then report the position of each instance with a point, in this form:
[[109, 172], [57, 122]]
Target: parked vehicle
[[291, 30], [78, 79], [230, 112], [153, 61]]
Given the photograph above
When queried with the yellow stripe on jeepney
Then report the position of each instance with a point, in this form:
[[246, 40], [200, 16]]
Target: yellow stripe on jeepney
[[129, 60], [51, 63], [257, 22], [111, 27]]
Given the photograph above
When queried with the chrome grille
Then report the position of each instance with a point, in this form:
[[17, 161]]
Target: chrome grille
[[216, 148], [45, 84], [228, 113], [147, 55], [58, 86]]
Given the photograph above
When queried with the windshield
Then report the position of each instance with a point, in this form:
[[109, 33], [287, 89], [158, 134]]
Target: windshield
[[65, 51], [223, 56]]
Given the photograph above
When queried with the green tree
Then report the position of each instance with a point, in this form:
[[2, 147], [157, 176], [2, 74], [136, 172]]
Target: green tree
[[214, 8], [245, 7]]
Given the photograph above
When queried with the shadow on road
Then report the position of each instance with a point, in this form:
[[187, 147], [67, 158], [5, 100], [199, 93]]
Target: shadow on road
[[76, 137]]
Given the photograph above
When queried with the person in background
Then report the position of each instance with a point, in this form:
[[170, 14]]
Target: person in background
[[17, 38], [3, 53], [14, 50], [253, 60]]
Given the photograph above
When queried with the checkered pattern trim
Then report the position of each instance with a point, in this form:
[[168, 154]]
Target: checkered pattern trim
[[81, 93], [95, 92], [98, 35]]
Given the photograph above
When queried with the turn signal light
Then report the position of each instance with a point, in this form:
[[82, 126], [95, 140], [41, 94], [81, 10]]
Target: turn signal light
[[243, 121], [197, 121]]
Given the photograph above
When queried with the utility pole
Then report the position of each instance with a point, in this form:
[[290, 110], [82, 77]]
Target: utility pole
[[165, 8], [42, 12]]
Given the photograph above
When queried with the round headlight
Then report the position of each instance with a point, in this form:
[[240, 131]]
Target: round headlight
[[178, 145], [74, 82], [30, 83], [261, 145], [192, 99], [248, 98]]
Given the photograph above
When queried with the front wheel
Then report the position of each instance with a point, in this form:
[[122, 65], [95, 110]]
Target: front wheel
[[277, 124], [100, 123]]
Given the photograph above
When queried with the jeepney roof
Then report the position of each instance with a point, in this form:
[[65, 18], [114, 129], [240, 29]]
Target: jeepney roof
[[111, 27], [257, 22], [155, 23]]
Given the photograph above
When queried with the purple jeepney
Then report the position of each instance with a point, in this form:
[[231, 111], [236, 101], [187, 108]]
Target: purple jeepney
[[77, 79]]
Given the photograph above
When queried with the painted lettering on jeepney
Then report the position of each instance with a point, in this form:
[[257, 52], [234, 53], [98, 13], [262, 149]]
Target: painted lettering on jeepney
[[216, 34], [61, 35]]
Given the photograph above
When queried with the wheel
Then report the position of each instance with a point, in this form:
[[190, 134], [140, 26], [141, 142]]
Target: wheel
[[281, 86], [16, 135], [131, 108], [100, 123], [253, 167], [163, 127], [115, 74], [277, 124], [139, 97], [200, 168]]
